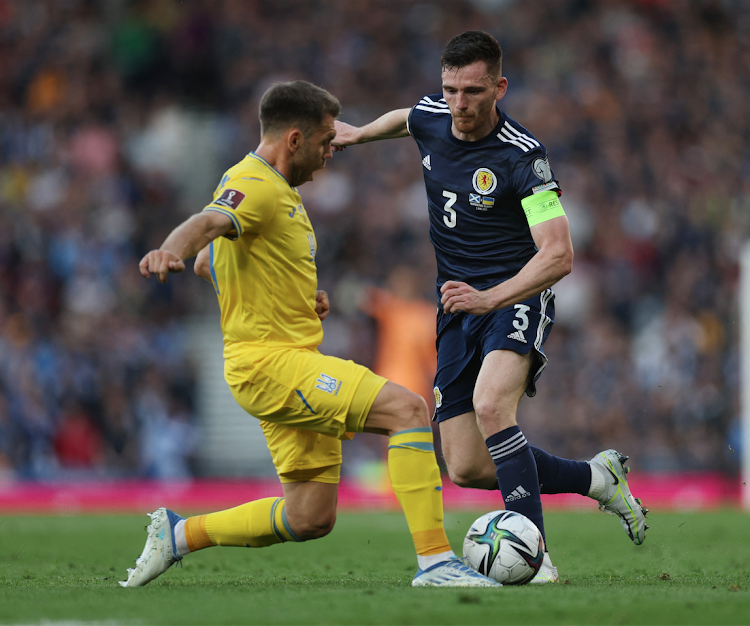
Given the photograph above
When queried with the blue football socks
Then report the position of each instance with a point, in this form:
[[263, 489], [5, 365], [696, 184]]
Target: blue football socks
[[517, 474], [558, 475]]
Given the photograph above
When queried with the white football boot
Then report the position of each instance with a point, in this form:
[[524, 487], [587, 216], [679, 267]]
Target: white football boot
[[616, 498], [159, 554], [451, 573], [547, 572]]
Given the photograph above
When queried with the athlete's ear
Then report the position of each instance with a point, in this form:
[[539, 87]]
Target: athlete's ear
[[502, 87], [294, 139]]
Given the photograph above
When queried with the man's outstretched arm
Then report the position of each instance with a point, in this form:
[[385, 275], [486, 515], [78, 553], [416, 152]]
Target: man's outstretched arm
[[389, 126], [184, 242], [553, 261]]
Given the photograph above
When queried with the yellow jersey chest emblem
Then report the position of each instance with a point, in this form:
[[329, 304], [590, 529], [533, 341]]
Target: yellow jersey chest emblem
[[299, 234]]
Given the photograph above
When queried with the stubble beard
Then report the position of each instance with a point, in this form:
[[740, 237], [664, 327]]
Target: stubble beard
[[296, 177], [300, 172]]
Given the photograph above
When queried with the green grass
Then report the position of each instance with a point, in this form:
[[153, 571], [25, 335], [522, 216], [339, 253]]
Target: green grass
[[693, 569]]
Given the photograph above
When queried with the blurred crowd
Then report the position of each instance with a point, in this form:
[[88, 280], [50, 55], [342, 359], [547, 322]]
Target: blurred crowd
[[117, 119]]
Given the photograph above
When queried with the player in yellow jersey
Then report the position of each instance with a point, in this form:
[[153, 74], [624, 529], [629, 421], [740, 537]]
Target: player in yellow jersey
[[257, 247]]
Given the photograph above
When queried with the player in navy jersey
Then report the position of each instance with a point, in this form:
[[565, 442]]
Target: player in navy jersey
[[501, 241]]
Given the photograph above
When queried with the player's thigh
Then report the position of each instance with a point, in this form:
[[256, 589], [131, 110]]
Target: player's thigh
[[303, 389], [395, 408], [502, 381], [466, 455], [303, 455], [309, 467], [523, 329], [458, 363]]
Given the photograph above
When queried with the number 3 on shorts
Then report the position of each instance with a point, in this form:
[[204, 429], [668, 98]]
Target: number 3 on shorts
[[521, 310]]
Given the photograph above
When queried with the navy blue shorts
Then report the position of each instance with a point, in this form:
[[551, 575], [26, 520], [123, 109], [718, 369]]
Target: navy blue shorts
[[463, 340]]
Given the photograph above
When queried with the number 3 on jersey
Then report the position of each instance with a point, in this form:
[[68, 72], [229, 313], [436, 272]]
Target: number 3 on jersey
[[450, 219]]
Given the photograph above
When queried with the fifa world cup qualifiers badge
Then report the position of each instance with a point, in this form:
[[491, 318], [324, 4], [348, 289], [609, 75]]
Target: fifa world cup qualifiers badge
[[230, 199]]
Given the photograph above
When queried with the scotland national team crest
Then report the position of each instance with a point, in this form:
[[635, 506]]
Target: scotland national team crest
[[484, 181], [438, 397]]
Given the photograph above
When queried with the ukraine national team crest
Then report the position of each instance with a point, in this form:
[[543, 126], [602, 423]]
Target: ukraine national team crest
[[484, 181], [329, 384]]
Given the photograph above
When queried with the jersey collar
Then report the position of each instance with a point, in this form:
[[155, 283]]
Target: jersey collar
[[252, 155]]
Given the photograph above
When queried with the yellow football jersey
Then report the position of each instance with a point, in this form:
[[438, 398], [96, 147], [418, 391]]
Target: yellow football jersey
[[264, 270]]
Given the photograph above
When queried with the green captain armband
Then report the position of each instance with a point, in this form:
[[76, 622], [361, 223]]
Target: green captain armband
[[541, 207]]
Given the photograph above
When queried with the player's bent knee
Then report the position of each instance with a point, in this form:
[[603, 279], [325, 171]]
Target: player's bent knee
[[396, 409], [485, 409], [416, 414], [494, 415], [471, 478], [306, 529]]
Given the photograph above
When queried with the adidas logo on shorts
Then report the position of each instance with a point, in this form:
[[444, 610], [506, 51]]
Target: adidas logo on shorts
[[518, 336]]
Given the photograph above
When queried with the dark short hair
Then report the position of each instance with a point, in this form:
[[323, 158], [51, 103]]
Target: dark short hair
[[296, 104], [470, 47]]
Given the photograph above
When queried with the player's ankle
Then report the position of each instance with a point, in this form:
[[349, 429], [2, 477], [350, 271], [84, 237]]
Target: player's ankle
[[180, 540], [427, 561], [598, 482]]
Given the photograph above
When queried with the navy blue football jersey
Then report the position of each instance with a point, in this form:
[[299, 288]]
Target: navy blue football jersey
[[474, 191]]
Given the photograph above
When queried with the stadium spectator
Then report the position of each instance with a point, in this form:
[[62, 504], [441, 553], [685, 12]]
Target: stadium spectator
[[643, 104]]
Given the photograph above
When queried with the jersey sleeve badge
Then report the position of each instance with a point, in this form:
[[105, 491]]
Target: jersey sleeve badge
[[542, 169], [230, 199]]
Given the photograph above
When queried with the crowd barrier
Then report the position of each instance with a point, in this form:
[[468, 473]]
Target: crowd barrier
[[658, 491]]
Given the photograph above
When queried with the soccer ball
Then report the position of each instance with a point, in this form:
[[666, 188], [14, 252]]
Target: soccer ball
[[505, 546]]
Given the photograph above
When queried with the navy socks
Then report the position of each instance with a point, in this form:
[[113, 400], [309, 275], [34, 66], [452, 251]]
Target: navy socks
[[517, 474], [557, 475]]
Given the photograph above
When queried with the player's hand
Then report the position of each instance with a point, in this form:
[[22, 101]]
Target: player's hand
[[459, 296], [161, 262], [322, 305], [346, 135]]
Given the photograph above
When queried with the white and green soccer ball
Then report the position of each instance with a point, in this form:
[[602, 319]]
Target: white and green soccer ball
[[505, 546]]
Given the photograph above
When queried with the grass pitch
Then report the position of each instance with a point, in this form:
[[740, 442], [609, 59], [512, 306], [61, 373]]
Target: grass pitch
[[693, 569]]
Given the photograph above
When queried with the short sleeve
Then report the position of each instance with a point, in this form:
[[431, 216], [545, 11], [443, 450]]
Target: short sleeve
[[532, 174], [248, 202], [425, 114]]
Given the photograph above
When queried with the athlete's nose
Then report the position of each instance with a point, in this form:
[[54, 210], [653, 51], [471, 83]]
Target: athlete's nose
[[461, 101]]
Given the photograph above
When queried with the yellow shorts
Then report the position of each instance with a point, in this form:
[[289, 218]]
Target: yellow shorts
[[306, 402]]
